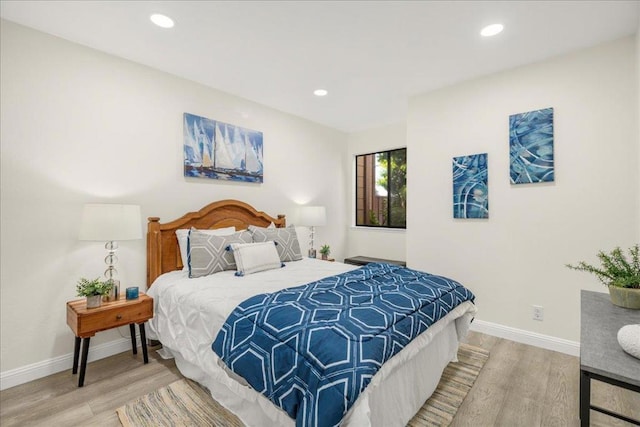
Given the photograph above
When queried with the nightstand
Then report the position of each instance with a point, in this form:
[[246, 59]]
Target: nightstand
[[86, 322]]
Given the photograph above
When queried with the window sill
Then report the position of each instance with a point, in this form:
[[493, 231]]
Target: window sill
[[378, 229]]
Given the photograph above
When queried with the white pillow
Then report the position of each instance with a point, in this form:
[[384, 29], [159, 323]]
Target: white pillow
[[183, 236], [254, 257]]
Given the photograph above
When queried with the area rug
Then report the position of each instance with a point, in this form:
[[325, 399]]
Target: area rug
[[457, 379], [185, 403]]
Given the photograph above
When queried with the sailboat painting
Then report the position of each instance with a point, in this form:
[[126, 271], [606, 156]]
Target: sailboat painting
[[218, 150]]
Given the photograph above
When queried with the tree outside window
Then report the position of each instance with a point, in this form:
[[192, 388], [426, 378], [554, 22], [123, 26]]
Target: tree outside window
[[381, 189]]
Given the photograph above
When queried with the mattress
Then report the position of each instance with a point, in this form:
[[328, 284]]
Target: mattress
[[190, 312]]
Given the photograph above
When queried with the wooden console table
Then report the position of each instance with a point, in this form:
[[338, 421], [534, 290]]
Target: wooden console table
[[601, 357]]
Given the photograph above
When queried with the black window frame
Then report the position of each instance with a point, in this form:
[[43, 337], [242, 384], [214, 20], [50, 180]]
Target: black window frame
[[362, 211]]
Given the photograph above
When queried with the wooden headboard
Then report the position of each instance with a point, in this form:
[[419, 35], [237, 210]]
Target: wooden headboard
[[163, 254]]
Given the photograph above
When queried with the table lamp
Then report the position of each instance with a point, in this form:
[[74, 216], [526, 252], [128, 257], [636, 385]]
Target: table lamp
[[312, 216], [110, 223]]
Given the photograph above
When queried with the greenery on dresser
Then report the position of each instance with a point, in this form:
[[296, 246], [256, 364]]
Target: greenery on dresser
[[325, 250], [615, 269], [89, 288]]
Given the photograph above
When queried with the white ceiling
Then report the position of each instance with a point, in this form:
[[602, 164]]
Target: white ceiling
[[370, 55]]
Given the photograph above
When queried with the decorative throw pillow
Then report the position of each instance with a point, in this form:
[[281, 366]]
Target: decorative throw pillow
[[286, 241], [183, 235], [210, 254], [254, 257]]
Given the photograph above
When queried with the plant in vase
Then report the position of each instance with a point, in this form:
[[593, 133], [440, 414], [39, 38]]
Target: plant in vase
[[325, 250], [619, 274], [93, 290]]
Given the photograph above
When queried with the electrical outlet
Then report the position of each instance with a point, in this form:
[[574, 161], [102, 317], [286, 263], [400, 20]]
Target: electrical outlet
[[538, 312]]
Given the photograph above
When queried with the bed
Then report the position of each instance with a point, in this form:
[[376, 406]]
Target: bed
[[189, 313]]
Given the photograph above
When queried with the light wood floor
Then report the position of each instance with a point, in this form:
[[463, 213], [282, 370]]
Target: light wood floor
[[520, 385]]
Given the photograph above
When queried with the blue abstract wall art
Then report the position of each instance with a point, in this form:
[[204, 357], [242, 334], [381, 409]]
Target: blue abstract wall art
[[218, 150], [470, 186], [531, 146]]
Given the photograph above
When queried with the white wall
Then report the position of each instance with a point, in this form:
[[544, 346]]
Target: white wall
[[80, 126], [638, 110], [516, 257], [368, 241]]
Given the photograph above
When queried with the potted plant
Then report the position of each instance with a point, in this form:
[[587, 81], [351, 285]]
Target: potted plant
[[93, 290], [325, 250], [619, 274]]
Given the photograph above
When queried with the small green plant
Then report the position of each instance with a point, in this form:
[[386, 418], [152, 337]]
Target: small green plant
[[373, 219], [325, 250], [88, 288], [616, 269]]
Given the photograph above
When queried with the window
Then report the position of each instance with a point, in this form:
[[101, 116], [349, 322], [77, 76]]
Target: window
[[381, 189]]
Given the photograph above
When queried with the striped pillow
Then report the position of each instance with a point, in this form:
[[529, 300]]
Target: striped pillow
[[254, 257]]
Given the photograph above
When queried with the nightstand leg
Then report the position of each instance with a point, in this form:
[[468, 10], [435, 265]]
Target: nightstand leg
[[143, 338], [83, 361], [132, 329], [76, 355]]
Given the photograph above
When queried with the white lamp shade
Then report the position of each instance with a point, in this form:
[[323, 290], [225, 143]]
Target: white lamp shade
[[107, 222], [313, 216]]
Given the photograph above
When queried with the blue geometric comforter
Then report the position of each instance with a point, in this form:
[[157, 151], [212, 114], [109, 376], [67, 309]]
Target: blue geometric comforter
[[314, 348]]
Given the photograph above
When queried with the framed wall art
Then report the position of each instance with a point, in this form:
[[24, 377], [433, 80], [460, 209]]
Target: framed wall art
[[531, 147], [217, 150], [470, 186]]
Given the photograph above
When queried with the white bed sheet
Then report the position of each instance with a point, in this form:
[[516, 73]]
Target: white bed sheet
[[190, 312]]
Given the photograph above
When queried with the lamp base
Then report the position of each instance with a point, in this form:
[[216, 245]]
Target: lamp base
[[114, 293], [312, 253], [110, 273]]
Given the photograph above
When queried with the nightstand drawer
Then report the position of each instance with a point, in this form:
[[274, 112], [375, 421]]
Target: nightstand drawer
[[111, 315], [100, 321]]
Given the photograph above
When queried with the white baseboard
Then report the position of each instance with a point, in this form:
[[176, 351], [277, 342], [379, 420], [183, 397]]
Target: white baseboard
[[24, 374], [531, 338]]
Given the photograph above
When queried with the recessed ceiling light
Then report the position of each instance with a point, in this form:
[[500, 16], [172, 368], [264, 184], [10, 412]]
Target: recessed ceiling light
[[320, 92], [492, 30], [161, 20]]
